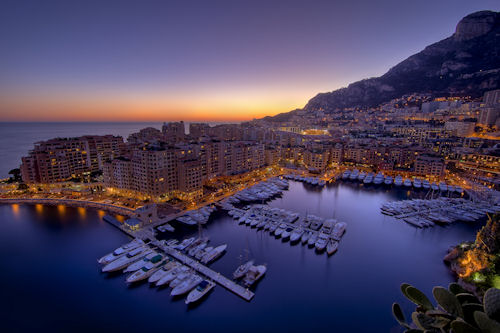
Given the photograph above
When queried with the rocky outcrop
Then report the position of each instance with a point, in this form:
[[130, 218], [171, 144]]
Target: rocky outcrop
[[475, 25], [466, 63]]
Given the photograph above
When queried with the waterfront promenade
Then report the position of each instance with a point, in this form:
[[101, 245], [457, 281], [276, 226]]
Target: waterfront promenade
[[72, 203]]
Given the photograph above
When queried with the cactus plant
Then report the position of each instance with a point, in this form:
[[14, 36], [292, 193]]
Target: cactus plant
[[448, 301], [458, 311], [491, 303], [456, 288]]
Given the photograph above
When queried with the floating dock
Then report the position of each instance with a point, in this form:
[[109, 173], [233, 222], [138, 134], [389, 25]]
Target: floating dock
[[217, 277]]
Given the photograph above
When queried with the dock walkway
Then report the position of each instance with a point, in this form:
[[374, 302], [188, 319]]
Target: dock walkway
[[217, 277], [72, 203]]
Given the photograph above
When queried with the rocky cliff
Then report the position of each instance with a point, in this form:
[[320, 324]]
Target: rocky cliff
[[466, 63]]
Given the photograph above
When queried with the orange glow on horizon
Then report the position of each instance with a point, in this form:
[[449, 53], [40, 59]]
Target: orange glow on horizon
[[208, 107]]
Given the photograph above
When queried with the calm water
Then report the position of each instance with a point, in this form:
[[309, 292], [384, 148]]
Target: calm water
[[51, 278], [17, 138]]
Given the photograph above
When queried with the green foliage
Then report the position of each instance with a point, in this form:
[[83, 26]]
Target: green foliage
[[458, 311]]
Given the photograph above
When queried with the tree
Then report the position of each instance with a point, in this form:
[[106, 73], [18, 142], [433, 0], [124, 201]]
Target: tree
[[16, 174]]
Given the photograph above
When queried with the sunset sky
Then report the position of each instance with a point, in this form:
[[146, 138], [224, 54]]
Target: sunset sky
[[201, 60]]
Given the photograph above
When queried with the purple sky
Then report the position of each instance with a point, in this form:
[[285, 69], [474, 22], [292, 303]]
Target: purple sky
[[202, 59]]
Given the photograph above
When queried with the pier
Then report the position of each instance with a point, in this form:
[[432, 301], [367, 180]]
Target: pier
[[216, 277]]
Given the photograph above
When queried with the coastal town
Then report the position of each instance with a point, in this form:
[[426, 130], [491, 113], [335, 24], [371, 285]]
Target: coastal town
[[445, 147], [435, 139]]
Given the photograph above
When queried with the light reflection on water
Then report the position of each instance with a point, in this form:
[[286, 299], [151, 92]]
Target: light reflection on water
[[54, 263]]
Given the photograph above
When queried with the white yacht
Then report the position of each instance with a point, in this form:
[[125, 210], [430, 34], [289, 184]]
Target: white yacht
[[214, 254], [286, 233], [201, 290], [129, 258], [185, 243], [146, 271], [443, 187], [426, 185], [368, 179], [459, 190], [312, 239], [321, 242], [121, 251], [195, 249], [140, 263], [203, 252], [280, 230], [296, 234], [361, 176], [316, 224], [254, 274], [186, 285], [331, 247], [407, 183], [339, 230], [354, 175], [172, 274], [398, 181], [179, 279], [346, 174], [417, 183], [388, 180], [305, 237], [379, 178], [242, 269], [434, 187], [159, 274]]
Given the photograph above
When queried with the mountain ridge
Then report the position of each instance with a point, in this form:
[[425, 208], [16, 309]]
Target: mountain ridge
[[465, 64]]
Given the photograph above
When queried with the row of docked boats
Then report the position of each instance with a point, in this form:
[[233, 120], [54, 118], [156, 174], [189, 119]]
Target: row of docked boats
[[259, 192], [198, 248], [424, 213], [198, 216], [380, 178], [143, 262], [312, 230], [309, 180]]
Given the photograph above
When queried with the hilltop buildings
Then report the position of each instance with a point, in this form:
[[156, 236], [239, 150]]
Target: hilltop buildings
[[415, 134]]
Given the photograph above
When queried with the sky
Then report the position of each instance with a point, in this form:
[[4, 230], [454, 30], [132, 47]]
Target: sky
[[202, 60]]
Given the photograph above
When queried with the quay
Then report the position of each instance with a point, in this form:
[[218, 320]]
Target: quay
[[217, 277], [71, 203]]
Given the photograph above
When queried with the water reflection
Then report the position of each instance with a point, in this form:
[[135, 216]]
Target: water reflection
[[301, 291], [39, 209], [15, 210], [61, 209]]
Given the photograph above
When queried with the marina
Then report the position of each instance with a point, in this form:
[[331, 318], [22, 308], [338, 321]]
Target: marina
[[398, 180], [290, 226], [91, 238], [425, 213]]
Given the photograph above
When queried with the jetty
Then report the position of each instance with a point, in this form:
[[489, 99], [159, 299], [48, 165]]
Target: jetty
[[211, 274]]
